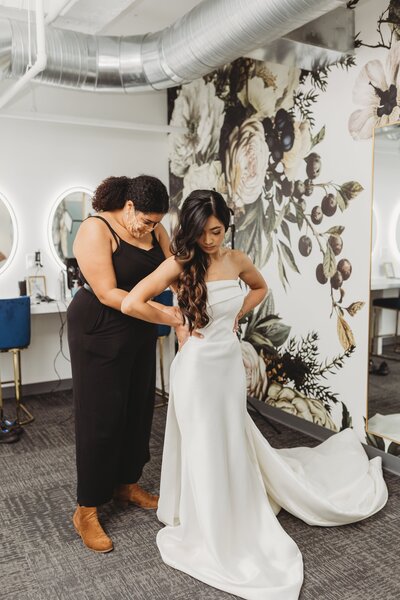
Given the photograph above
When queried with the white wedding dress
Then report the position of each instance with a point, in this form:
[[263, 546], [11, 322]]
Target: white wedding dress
[[222, 483]]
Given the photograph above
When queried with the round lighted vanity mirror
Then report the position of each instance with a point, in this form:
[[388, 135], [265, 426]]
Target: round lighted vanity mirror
[[8, 234], [70, 209]]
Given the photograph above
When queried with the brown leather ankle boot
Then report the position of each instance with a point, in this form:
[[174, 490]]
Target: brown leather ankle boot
[[87, 525], [134, 494]]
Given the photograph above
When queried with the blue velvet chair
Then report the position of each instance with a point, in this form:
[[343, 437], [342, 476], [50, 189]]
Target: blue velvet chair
[[15, 335], [165, 298]]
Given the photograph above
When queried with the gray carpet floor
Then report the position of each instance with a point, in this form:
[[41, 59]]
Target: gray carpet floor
[[384, 391], [42, 558]]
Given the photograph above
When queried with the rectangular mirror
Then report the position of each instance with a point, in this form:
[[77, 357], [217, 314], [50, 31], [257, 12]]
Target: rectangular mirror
[[383, 406]]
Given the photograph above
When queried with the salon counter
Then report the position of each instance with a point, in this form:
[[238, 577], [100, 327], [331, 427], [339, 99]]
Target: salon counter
[[46, 308]]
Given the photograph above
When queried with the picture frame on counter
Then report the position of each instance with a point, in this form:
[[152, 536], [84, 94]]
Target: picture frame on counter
[[37, 285]]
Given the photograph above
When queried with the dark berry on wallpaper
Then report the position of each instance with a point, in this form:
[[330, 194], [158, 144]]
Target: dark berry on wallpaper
[[302, 205], [270, 139], [305, 245], [344, 268], [317, 215], [277, 152], [336, 243], [309, 187], [329, 205], [268, 183], [319, 272], [299, 189], [287, 187], [287, 139], [336, 280], [268, 126], [313, 168], [281, 119]]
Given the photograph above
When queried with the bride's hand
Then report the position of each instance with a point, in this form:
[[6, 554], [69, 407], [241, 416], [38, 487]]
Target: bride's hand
[[183, 334], [175, 312], [237, 319]]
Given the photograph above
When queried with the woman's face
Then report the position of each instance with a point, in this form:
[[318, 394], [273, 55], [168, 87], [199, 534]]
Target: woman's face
[[213, 236], [138, 223]]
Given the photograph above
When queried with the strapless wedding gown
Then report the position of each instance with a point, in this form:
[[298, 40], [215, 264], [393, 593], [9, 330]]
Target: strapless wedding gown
[[222, 484]]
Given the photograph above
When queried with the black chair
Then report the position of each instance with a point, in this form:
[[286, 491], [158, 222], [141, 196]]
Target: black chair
[[163, 331], [15, 335], [386, 304]]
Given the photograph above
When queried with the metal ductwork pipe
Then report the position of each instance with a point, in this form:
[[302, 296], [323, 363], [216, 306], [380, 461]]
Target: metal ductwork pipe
[[212, 34]]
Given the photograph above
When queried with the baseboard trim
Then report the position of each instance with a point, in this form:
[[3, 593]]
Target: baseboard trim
[[390, 462], [43, 387]]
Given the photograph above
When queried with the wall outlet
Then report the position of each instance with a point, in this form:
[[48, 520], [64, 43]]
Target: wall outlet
[[30, 260]]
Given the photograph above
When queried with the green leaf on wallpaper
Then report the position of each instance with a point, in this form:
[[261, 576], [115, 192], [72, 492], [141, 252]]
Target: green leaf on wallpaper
[[394, 448], [374, 440], [341, 201], [282, 271], [299, 216], [288, 256], [267, 319], [278, 195], [285, 230], [269, 222], [290, 217], [267, 307], [277, 332], [250, 215], [336, 230], [256, 339], [329, 263], [345, 334], [351, 189], [316, 139], [267, 251], [280, 217]]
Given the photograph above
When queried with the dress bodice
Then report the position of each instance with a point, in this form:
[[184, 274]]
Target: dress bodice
[[225, 299]]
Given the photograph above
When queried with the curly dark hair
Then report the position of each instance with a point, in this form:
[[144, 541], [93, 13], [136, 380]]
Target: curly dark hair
[[192, 288], [148, 194]]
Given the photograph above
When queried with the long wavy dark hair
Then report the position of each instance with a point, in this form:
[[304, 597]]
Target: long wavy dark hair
[[192, 288]]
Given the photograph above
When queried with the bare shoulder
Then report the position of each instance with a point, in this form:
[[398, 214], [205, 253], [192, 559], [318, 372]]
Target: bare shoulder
[[94, 233], [161, 232], [93, 226], [240, 259]]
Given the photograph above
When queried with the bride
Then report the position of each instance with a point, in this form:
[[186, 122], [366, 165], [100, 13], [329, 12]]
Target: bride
[[222, 484]]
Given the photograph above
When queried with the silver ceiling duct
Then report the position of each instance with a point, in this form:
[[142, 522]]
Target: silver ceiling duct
[[212, 34]]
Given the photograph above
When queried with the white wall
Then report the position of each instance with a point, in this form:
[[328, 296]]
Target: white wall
[[39, 161]]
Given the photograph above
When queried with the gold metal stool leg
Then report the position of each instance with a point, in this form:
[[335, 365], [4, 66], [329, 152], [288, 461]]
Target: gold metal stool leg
[[161, 353], [17, 382]]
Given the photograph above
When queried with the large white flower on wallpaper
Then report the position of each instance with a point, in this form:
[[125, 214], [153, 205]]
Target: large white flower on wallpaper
[[201, 112], [377, 89], [204, 177], [296, 403], [271, 88], [294, 158], [246, 162], [256, 375]]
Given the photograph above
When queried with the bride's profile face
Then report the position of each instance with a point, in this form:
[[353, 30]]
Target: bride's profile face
[[213, 235]]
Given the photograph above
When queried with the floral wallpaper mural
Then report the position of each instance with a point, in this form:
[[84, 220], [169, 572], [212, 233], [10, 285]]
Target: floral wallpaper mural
[[254, 133]]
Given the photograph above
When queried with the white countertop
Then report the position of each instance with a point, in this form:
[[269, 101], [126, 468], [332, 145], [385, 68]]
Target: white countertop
[[385, 283], [46, 308]]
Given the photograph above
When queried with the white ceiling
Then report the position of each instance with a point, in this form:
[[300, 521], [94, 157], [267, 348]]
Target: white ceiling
[[113, 17]]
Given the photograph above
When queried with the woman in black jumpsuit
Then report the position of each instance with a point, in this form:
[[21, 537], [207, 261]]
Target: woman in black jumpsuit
[[113, 355]]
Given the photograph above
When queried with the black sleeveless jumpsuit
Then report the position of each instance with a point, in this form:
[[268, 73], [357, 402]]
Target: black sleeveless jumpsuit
[[113, 360]]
